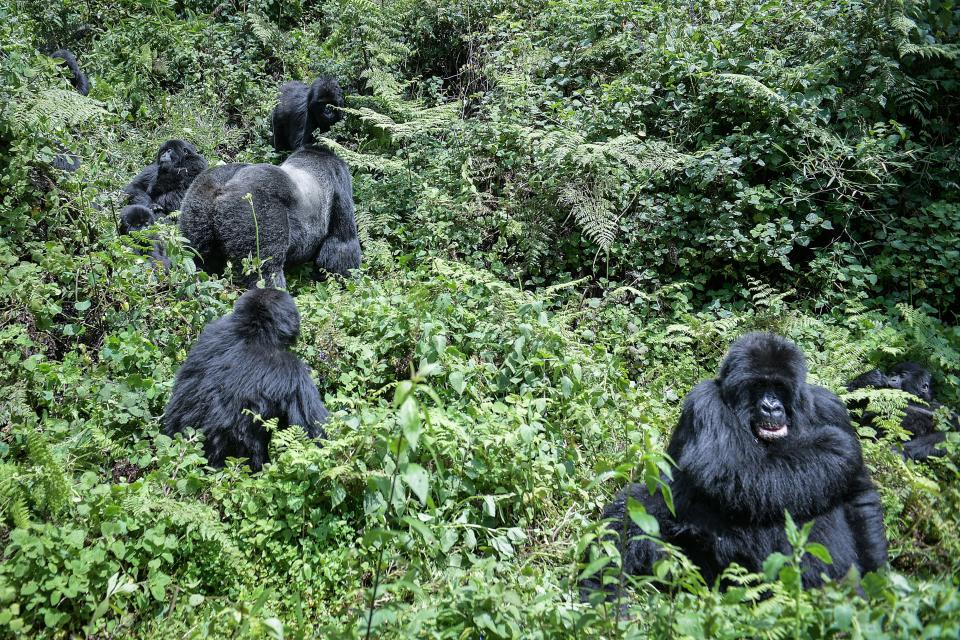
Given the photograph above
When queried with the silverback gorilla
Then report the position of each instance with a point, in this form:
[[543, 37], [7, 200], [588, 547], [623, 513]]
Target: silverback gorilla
[[241, 364], [302, 112], [301, 211], [919, 417], [161, 185], [753, 443]]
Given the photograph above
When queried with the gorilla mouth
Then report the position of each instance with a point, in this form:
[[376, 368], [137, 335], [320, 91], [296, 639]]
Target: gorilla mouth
[[771, 430]]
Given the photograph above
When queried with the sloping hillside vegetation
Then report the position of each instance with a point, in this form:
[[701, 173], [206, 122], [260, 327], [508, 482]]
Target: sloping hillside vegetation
[[568, 210]]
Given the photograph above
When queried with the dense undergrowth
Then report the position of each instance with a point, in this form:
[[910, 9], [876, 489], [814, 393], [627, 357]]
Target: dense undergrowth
[[568, 210]]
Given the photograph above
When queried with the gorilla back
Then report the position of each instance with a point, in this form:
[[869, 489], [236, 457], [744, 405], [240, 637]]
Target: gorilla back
[[301, 211], [242, 363]]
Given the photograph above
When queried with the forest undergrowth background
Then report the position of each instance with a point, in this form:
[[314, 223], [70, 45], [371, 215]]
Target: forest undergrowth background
[[568, 210]]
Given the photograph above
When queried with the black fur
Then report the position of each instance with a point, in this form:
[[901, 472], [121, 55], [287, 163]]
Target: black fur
[[138, 218], [161, 185], [305, 112], [240, 363], [738, 471], [919, 418], [302, 210], [77, 77]]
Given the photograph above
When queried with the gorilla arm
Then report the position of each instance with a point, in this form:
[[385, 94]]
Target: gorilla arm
[[806, 474], [305, 407], [138, 191]]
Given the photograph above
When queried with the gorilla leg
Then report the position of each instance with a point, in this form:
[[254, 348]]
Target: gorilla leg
[[340, 251]]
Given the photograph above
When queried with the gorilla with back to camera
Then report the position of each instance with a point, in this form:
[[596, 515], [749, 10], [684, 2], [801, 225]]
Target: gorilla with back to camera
[[304, 112], [242, 364], [753, 443], [920, 415], [301, 211], [162, 184]]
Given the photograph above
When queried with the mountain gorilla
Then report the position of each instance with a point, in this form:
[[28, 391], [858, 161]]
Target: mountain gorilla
[[161, 185], [919, 418], [303, 112], [77, 77], [136, 217], [301, 211], [242, 365], [752, 444]]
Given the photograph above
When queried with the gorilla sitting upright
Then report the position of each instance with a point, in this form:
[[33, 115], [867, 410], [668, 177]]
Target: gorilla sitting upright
[[301, 211], [303, 112], [919, 417], [242, 365], [161, 185], [752, 444]]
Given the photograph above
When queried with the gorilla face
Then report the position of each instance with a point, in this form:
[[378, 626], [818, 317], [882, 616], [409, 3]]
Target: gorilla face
[[912, 378], [761, 381], [769, 419], [174, 156], [135, 217]]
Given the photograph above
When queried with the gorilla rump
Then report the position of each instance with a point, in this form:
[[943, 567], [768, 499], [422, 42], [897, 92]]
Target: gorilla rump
[[301, 211], [753, 443], [161, 185], [919, 418], [241, 363], [302, 112]]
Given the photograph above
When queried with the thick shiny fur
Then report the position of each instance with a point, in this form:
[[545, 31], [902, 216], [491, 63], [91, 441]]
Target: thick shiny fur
[[302, 210], [731, 488], [242, 363], [137, 217]]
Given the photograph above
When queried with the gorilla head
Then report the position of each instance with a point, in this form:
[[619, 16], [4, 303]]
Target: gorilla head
[[177, 160], [324, 95], [759, 380], [136, 217], [161, 185], [268, 317], [912, 378], [304, 113]]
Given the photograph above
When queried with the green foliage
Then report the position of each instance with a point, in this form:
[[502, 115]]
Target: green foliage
[[568, 211]]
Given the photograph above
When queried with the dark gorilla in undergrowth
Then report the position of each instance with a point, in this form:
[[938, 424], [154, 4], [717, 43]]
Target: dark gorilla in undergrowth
[[752, 444], [162, 184], [920, 415], [138, 218], [301, 211], [305, 112], [242, 365], [77, 77]]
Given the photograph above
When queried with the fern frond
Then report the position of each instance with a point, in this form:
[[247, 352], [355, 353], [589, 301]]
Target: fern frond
[[60, 108]]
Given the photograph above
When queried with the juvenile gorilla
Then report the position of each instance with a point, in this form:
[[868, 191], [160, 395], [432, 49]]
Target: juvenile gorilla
[[919, 417], [136, 217], [303, 112], [241, 363], [301, 211], [751, 444], [161, 185]]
